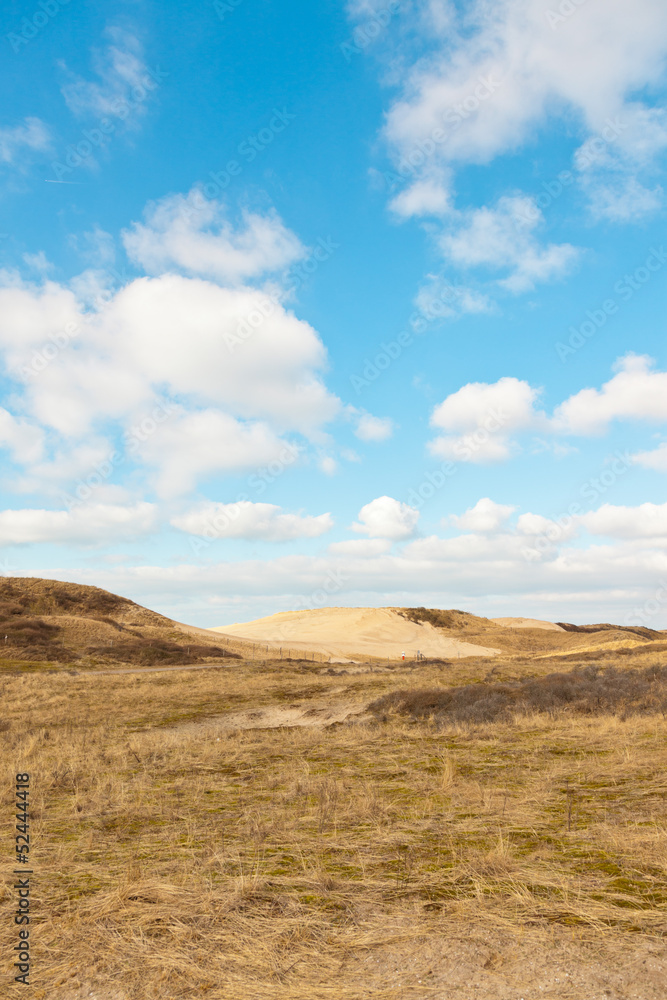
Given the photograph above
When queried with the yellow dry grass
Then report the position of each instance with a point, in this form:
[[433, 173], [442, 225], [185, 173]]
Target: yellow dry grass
[[177, 859]]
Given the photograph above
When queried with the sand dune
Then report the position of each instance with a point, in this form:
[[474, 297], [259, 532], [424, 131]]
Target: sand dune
[[349, 633], [527, 623]]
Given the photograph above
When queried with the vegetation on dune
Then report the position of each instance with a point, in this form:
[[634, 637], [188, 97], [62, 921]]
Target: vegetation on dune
[[640, 630], [458, 620], [88, 625], [33, 595]]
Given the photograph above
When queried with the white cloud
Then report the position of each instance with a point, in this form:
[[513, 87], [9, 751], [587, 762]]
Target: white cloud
[[232, 349], [494, 75], [387, 518], [484, 516], [439, 299], [648, 520], [656, 459], [32, 314], [122, 77], [624, 199], [502, 237], [479, 418], [611, 163], [91, 524], [255, 521], [428, 196], [537, 526], [67, 469], [634, 393], [189, 233], [91, 362], [370, 428], [38, 262], [24, 440], [31, 135], [190, 445]]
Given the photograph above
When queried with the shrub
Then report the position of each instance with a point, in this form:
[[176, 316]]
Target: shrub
[[587, 690]]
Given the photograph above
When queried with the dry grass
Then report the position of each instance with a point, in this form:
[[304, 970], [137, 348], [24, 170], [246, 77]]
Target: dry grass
[[387, 859]]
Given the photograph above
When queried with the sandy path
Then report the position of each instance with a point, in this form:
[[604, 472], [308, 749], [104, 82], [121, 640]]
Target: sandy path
[[311, 714]]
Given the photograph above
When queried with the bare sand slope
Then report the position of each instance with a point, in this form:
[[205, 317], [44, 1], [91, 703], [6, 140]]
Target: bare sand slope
[[349, 633], [528, 623]]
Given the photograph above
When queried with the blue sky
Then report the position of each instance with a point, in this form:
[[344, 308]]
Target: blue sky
[[337, 304]]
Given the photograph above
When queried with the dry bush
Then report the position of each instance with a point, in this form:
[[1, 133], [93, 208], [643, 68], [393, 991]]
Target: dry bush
[[442, 619], [584, 691]]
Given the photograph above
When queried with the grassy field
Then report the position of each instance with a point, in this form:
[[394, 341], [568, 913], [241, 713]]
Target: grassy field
[[181, 853]]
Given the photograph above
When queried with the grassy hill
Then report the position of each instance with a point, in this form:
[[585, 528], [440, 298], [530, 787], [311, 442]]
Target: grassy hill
[[54, 622]]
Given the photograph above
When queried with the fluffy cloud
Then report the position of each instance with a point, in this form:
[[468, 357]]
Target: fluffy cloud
[[91, 524], [235, 347], [635, 393], [370, 428], [484, 516], [387, 518], [192, 234], [31, 135], [492, 76], [503, 237], [479, 418], [244, 367], [255, 521]]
